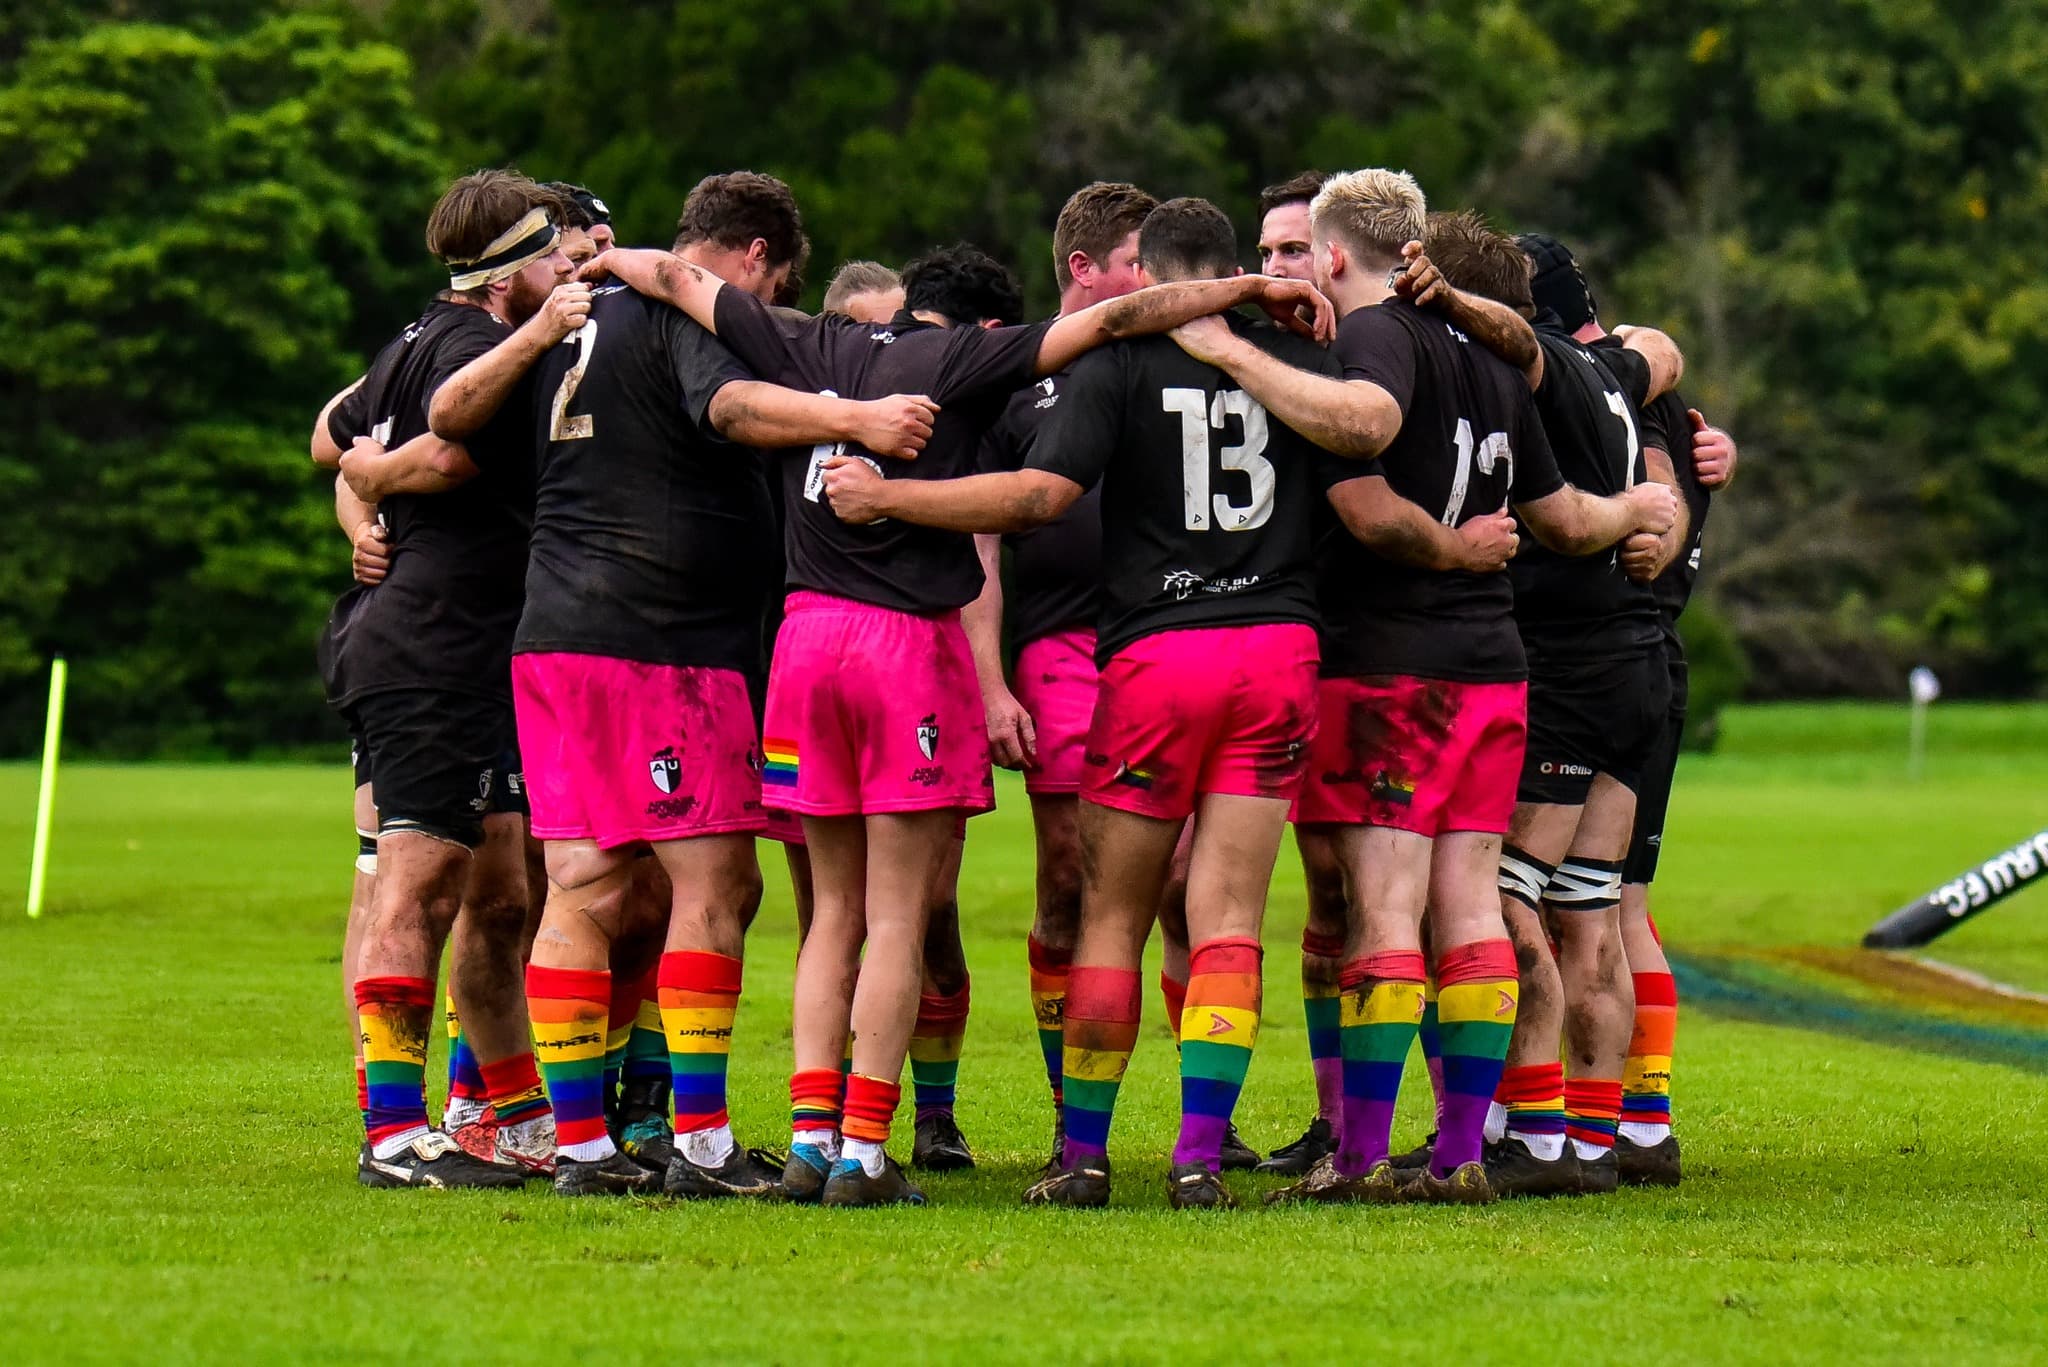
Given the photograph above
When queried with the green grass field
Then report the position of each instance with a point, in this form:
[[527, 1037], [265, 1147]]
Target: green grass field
[[177, 1109]]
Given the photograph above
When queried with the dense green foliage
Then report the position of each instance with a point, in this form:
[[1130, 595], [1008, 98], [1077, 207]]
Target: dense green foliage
[[1838, 208], [182, 1134]]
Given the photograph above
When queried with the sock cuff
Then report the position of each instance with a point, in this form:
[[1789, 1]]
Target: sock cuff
[[1319, 946], [394, 992], [818, 1085], [696, 970], [1476, 962], [1593, 1096], [505, 1076], [1534, 1083], [943, 1008], [570, 984], [1390, 965], [1103, 994], [1225, 954], [876, 1099], [1655, 989], [1046, 959]]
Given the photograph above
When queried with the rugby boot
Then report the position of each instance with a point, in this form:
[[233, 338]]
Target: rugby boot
[[1059, 1146], [850, 1185], [644, 1132], [434, 1160], [1511, 1170], [1466, 1186], [1191, 1186], [1377, 1185], [1417, 1157], [741, 1174], [1294, 1160], [1652, 1165], [1599, 1176], [1236, 1155], [939, 1146], [612, 1175], [1081, 1186], [529, 1145], [803, 1176], [473, 1125]]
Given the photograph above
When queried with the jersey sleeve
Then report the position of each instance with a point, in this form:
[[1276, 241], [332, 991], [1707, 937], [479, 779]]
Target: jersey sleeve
[[1078, 437], [350, 418], [1631, 370], [988, 360], [1372, 345], [1330, 470], [1536, 472], [761, 342], [502, 431], [701, 364]]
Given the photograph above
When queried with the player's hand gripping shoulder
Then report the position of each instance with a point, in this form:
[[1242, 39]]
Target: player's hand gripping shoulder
[[1494, 326], [567, 309], [1299, 307], [898, 425]]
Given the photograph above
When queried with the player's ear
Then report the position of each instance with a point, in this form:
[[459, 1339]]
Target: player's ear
[[756, 261], [990, 323], [1237, 270], [1145, 277], [1337, 261], [1080, 267]]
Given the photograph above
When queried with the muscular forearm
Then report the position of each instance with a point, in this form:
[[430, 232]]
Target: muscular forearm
[[350, 511], [767, 415], [976, 503], [1574, 522], [1666, 362], [1672, 543], [1162, 307], [1496, 327], [425, 465], [473, 395], [982, 619], [669, 278], [1346, 417]]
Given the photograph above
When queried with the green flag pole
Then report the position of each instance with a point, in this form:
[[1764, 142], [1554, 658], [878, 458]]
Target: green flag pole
[[46, 797]]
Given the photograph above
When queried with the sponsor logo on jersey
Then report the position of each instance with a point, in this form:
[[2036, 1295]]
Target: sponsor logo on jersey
[[1567, 770], [1185, 584], [671, 808], [884, 336], [1048, 395], [928, 775], [666, 769]]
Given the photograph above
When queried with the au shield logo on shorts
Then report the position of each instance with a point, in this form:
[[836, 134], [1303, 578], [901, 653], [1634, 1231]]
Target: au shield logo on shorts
[[665, 769], [928, 735]]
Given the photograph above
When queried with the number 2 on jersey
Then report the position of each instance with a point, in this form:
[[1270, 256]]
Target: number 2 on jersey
[[562, 427], [1198, 415], [1489, 453]]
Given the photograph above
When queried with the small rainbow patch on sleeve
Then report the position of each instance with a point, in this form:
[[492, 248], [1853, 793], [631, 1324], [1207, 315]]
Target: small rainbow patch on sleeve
[[778, 763]]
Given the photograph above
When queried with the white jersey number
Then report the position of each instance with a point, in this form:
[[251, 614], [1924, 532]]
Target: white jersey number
[[1618, 404], [1493, 451], [562, 427], [814, 474], [1198, 416]]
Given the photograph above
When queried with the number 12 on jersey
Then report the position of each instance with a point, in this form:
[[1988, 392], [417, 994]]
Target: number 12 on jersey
[[1200, 415]]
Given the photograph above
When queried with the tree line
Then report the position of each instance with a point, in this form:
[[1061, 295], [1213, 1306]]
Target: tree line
[[211, 213]]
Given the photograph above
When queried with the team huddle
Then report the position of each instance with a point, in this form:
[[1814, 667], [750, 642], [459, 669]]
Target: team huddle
[[650, 565]]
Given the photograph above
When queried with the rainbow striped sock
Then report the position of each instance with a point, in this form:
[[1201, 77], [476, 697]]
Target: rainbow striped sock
[[1429, 1034], [1382, 1007], [1321, 1002], [515, 1090], [1175, 994], [1646, 1081], [1101, 1030], [700, 995], [816, 1098], [870, 1108], [1591, 1107], [363, 1095], [395, 1016], [935, 1042], [1534, 1096], [1477, 998], [465, 1078], [647, 1047], [1049, 969], [618, 1029], [1219, 1027], [569, 1007]]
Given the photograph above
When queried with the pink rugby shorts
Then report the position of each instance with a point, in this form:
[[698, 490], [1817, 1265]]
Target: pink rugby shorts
[[1227, 710], [1430, 756], [872, 710], [618, 750], [1056, 681]]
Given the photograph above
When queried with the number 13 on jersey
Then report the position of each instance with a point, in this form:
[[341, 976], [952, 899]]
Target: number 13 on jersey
[[1200, 416]]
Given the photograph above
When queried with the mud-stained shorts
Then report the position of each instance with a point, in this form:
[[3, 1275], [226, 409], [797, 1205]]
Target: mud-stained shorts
[[1430, 756]]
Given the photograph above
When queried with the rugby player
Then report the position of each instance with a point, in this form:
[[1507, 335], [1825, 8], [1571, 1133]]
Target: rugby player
[[1205, 706], [876, 733], [419, 667], [865, 291], [1597, 695], [586, 222], [1421, 700], [1702, 459]]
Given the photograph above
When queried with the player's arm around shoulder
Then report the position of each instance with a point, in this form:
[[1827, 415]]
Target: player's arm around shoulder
[[1571, 521], [756, 413], [425, 465], [1161, 308], [326, 450], [1399, 529], [1659, 352], [1495, 326], [1013, 502], [471, 397], [1352, 418]]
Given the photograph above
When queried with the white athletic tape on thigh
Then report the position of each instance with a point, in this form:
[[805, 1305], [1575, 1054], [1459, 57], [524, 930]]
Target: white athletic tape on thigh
[[1523, 876], [1585, 885]]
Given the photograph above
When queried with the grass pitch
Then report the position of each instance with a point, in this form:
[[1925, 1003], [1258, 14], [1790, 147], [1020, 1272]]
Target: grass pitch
[[177, 1110]]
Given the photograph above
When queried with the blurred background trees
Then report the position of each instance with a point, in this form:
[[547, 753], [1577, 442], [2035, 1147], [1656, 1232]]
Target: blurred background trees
[[211, 212]]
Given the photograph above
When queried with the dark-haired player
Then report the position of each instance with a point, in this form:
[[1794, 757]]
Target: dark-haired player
[[419, 666], [876, 734], [1207, 650], [1597, 697]]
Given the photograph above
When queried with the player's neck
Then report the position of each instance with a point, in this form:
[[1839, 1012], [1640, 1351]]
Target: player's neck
[[723, 263], [1359, 290], [1076, 297]]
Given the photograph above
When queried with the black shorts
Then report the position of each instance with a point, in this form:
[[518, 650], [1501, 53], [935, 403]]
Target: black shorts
[[1653, 795], [437, 762], [1599, 718]]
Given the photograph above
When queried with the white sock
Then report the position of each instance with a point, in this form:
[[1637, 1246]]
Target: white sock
[[1647, 1134], [1496, 1122], [462, 1110], [389, 1146], [1548, 1147], [824, 1141], [869, 1156], [1589, 1152], [707, 1148], [589, 1151]]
